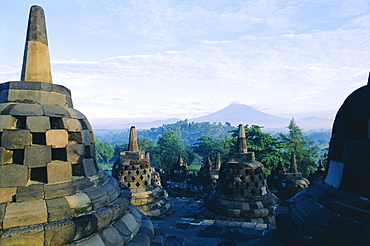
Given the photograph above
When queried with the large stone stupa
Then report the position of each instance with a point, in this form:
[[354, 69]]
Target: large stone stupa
[[242, 193], [51, 189], [135, 171], [336, 209]]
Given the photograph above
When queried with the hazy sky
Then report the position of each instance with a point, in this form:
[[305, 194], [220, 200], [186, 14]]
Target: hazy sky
[[161, 59]]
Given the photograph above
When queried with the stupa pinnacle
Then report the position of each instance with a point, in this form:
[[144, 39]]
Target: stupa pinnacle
[[36, 61], [52, 191]]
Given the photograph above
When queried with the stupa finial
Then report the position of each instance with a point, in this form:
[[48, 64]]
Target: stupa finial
[[242, 140], [293, 164], [36, 60], [132, 142]]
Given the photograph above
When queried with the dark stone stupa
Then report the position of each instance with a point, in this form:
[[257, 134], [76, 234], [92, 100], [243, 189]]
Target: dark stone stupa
[[242, 193], [336, 209]]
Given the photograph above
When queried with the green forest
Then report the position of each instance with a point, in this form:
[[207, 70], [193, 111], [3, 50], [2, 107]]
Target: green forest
[[195, 142]]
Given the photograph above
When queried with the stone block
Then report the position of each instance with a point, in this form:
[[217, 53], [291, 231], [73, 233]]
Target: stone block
[[25, 214], [87, 123], [93, 151], [75, 113], [72, 125], [356, 154], [335, 174], [98, 197], [59, 233], [7, 122], [67, 191], [16, 139], [27, 109], [6, 156], [24, 96], [79, 203], [52, 98], [38, 123], [37, 155], [86, 137], [31, 235], [59, 171], [104, 216], [29, 193], [85, 226], [61, 89], [75, 153], [57, 138], [7, 194], [58, 209], [13, 175], [111, 236], [28, 85], [89, 167], [69, 102], [55, 111], [93, 240]]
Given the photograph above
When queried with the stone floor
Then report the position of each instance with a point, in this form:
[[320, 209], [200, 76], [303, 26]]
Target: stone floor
[[181, 228]]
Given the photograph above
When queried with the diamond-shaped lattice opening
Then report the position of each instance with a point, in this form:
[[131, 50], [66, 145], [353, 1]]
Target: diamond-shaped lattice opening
[[129, 172], [38, 174], [241, 192], [236, 185], [247, 185], [56, 123], [141, 177], [38, 138], [124, 177], [75, 137], [144, 171], [83, 124], [137, 172], [78, 170], [133, 167], [137, 184], [128, 185], [141, 166], [21, 122], [59, 154], [148, 176], [253, 192], [133, 178], [146, 182], [150, 170], [18, 156], [252, 177]]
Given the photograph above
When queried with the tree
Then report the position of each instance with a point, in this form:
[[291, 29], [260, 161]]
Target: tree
[[306, 150], [267, 149], [208, 146], [168, 150], [104, 151]]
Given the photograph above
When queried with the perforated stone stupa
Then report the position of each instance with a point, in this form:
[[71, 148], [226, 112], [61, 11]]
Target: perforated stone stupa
[[336, 209], [135, 171], [51, 189], [242, 193]]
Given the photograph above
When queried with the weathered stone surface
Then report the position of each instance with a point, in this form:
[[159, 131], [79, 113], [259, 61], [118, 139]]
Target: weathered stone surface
[[7, 194], [59, 233], [335, 173], [13, 175], [31, 235], [86, 137], [58, 209], [38, 123], [37, 155], [25, 213], [75, 153], [26, 109], [16, 139], [57, 138], [79, 203], [59, 171], [6, 156], [7, 122], [55, 111], [72, 125], [52, 98], [89, 167], [111, 236], [75, 113]]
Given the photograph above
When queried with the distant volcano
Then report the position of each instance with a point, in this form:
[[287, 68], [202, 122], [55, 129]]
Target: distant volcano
[[242, 114]]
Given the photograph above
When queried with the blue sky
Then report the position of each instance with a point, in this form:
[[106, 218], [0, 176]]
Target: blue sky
[[148, 60]]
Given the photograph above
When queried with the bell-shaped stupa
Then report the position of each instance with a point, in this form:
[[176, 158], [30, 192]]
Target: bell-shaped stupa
[[136, 172], [242, 193], [336, 209], [51, 189], [293, 182]]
